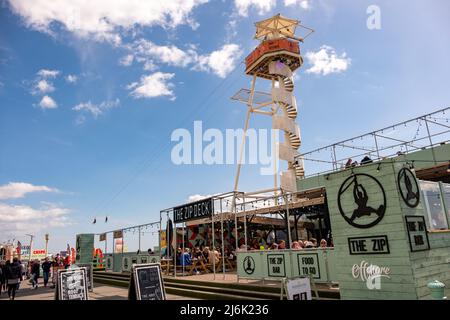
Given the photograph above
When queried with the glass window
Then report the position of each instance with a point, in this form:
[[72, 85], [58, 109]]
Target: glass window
[[433, 205], [446, 194]]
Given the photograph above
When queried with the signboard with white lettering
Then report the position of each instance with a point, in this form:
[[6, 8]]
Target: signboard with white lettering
[[146, 283], [195, 210], [308, 264], [368, 245], [72, 284], [298, 289], [89, 274], [417, 233], [276, 265]]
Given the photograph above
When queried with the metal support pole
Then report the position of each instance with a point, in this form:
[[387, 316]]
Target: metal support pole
[[376, 146], [431, 142], [139, 239], [335, 159], [223, 241], [236, 225], [123, 241], [245, 224], [31, 247], [213, 245], [159, 236], [287, 219], [249, 111], [182, 247], [174, 235]]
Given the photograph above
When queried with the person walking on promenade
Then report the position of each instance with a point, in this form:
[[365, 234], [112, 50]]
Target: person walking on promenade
[[35, 271], [66, 262], [2, 276], [46, 266], [13, 277]]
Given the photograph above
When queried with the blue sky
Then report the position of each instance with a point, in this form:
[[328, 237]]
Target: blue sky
[[90, 94]]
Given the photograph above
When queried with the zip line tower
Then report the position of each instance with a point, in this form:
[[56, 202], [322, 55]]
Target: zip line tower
[[275, 59]]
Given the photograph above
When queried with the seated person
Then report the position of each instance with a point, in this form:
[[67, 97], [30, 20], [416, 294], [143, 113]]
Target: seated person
[[282, 245], [296, 245], [323, 243], [309, 245], [178, 257], [314, 242], [187, 261], [348, 164], [206, 254], [366, 160], [214, 256]]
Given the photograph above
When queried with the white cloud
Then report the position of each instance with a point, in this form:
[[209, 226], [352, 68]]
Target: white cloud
[[220, 62], [71, 78], [15, 190], [170, 55], [95, 109], [48, 103], [23, 218], [104, 19], [43, 86], [149, 66], [326, 61], [154, 85], [126, 60], [304, 4], [263, 6], [44, 73]]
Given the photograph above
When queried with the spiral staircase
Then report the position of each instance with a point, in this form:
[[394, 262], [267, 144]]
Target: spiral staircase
[[283, 97]]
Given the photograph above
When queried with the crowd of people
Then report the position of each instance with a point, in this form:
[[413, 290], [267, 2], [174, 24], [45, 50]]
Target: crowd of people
[[185, 257], [281, 245], [206, 254], [15, 272]]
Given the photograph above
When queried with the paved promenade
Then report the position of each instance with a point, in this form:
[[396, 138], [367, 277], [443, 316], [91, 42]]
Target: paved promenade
[[101, 292]]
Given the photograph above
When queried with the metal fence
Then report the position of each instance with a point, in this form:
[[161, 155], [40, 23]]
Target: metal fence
[[401, 138]]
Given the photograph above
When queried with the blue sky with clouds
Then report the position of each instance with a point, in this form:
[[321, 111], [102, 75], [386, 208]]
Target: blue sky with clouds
[[90, 93]]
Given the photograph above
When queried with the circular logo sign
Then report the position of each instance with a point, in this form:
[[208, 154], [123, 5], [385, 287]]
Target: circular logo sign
[[249, 265], [362, 200], [409, 189]]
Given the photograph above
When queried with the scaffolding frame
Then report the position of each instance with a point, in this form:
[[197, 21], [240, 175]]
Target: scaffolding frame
[[236, 206]]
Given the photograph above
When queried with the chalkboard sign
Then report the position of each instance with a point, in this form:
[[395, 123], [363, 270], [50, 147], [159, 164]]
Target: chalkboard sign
[[72, 284], [146, 282], [89, 275]]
